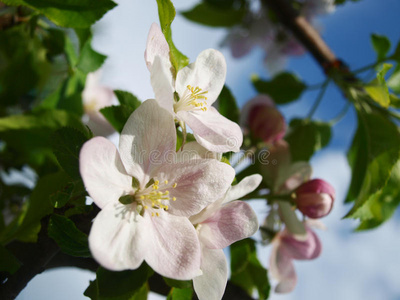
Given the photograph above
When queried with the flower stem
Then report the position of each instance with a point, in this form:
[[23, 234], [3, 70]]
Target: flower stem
[[319, 99]]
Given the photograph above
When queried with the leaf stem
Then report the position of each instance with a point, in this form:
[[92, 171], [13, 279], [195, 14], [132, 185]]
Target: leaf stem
[[319, 99], [341, 114]]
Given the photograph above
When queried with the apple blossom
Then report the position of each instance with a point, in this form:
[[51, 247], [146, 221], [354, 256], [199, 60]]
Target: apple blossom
[[287, 247], [263, 120], [146, 195], [95, 96], [219, 225], [315, 198], [189, 96]]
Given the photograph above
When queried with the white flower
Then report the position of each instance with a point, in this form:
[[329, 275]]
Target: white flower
[[146, 195], [219, 225], [95, 96], [196, 86]]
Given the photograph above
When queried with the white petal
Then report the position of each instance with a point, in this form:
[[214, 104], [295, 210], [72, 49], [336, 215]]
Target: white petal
[[211, 285], [244, 187], [174, 249], [163, 83], [147, 140], [213, 131], [199, 183], [118, 237], [282, 269], [195, 150], [156, 45], [233, 222], [207, 73], [102, 171]]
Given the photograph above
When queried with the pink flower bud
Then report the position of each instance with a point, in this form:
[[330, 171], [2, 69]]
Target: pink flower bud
[[315, 198], [263, 120]]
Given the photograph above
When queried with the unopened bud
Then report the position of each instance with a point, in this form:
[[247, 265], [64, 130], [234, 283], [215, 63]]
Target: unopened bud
[[315, 198]]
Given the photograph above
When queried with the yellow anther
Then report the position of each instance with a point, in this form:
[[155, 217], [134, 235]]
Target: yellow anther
[[173, 199], [156, 182], [174, 185], [166, 207], [146, 207], [152, 214], [166, 181], [141, 197], [155, 187], [166, 193], [157, 214]]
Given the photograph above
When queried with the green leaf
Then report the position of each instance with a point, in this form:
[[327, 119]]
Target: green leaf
[[70, 239], [8, 262], [180, 284], [166, 13], [180, 294], [128, 99], [69, 13], [381, 45], [210, 15], [372, 156], [67, 143], [377, 89], [283, 88], [27, 225], [306, 137], [61, 197], [381, 205], [247, 271], [394, 80], [227, 105], [122, 285], [117, 115], [89, 59], [92, 291]]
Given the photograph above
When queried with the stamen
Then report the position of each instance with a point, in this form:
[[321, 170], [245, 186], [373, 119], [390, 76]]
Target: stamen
[[193, 99]]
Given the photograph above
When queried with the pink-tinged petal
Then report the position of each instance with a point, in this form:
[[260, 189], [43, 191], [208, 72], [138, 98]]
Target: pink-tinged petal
[[207, 73], [102, 171], [294, 176], [211, 285], [99, 125], [118, 237], [173, 246], [252, 105], [244, 187], [195, 150], [302, 248], [282, 269], [314, 205], [213, 131], [156, 45], [233, 222], [163, 83], [147, 141], [198, 183]]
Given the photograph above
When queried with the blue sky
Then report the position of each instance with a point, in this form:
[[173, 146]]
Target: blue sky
[[352, 265]]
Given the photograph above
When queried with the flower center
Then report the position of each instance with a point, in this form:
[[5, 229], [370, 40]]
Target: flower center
[[192, 99], [155, 197]]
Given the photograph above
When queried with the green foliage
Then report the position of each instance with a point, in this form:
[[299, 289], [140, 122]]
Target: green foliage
[[123, 285], [380, 206], [394, 81], [126, 98], [210, 15], [8, 262], [67, 143], [27, 225], [166, 13], [70, 239], [372, 156], [69, 13], [338, 2], [381, 45], [61, 197], [227, 105], [247, 272], [180, 294], [377, 89], [90, 60], [283, 88], [306, 137], [180, 284], [117, 115]]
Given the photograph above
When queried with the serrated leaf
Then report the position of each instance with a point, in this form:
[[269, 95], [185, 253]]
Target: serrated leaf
[[128, 99], [210, 15], [227, 105], [67, 143], [70, 239], [69, 13], [166, 13], [381, 45], [377, 89], [89, 59], [247, 271], [306, 137], [283, 88], [372, 156], [117, 115]]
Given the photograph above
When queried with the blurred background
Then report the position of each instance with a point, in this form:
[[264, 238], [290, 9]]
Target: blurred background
[[352, 265]]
